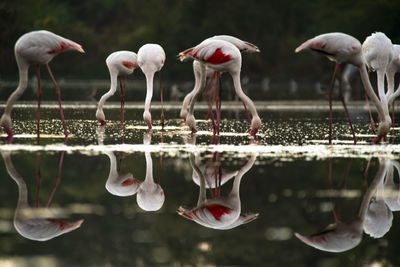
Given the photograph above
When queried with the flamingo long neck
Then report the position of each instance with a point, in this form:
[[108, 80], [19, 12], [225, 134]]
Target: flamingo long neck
[[149, 94], [381, 91], [383, 167], [202, 192], [23, 83], [22, 187], [200, 81], [239, 91], [113, 88], [392, 95], [370, 91]]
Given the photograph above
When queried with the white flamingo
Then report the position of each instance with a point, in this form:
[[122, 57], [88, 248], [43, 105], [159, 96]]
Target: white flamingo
[[151, 58], [221, 56], [120, 63], [243, 46], [36, 47], [341, 47]]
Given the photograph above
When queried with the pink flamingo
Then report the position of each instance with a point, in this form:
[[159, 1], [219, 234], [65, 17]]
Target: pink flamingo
[[341, 47], [243, 46], [221, 56], [120, 63], [151, 58], [32, 222], [36, 47]]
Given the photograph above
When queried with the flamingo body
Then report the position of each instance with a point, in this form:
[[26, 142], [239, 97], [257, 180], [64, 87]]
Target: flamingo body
[[337, 46]]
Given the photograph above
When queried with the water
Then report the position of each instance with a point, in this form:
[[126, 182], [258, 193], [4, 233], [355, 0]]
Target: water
[[288, 181]]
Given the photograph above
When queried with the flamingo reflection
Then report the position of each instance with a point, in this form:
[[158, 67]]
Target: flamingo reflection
[[118, 184], [150, 195], [219, 212], [34, 223], [374, 217]]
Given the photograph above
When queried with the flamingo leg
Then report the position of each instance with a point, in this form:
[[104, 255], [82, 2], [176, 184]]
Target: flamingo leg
[[211, 99], [337, 67], [345, 108], [39, 96], [58, 91], [162, 102], [370, 113], [393, 117], [218, 93], [122, 111]]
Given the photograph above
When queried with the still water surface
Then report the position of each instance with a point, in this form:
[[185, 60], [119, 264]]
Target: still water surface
[[119, 196]]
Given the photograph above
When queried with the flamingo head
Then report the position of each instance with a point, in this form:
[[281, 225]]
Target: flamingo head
[[191, 122]]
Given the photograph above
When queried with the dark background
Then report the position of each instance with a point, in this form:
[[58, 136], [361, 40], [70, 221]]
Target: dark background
[[277, 27]]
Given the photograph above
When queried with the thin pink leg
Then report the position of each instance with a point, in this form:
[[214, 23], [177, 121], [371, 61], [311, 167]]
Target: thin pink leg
[[218, 101], [345, 108], [122, 100], [393, 117], [39, 96], [337, 67], [370, 114], [58, 91], [162, 102]]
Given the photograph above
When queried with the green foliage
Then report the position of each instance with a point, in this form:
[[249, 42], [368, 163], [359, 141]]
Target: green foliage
[[276, 27]]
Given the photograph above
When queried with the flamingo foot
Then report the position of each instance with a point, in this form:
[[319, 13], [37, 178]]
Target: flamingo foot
[[379, 138], [253, 132], [193, 129], [10, 134]]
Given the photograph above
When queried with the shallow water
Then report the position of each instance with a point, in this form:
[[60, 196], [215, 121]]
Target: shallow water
[[137, 192]]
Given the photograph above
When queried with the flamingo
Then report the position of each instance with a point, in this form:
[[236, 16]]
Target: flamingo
[[36, 47], [340, 236], [120, 63], [150, 58], [243, 46], [341, 47], [221, 213], [150, 195], [31, 222], [221, 56]]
